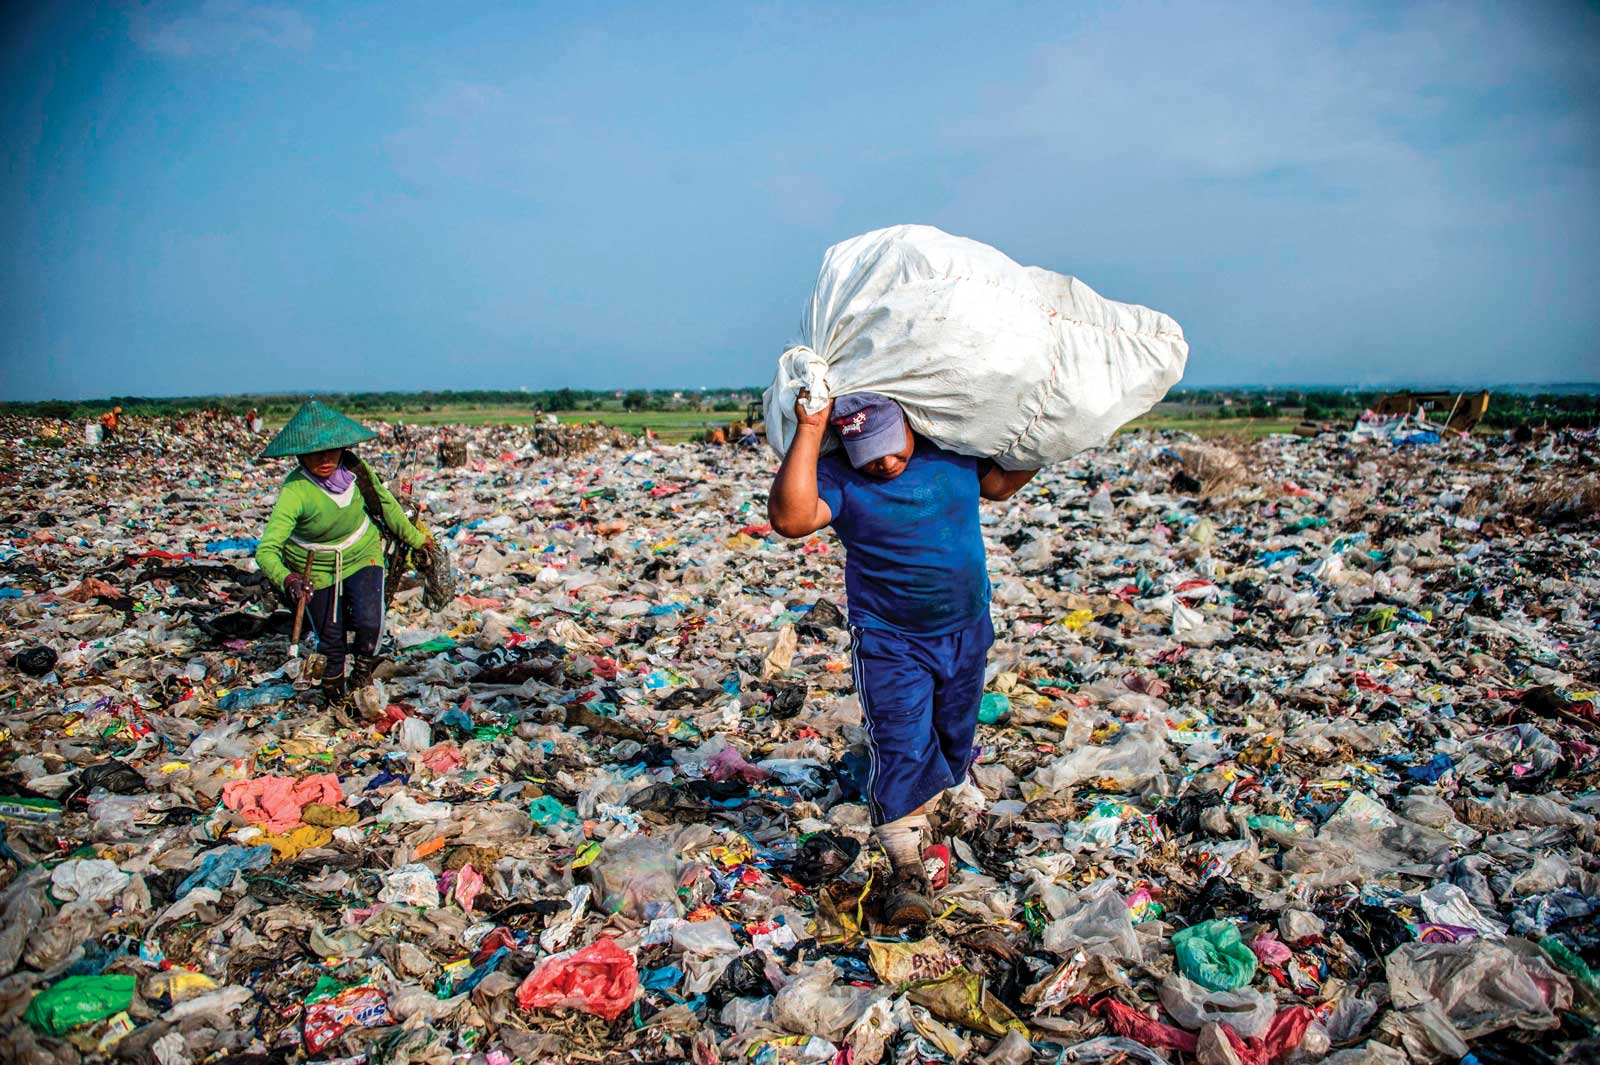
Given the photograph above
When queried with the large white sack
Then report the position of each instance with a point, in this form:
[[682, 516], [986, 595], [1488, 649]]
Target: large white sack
[[987, 357]]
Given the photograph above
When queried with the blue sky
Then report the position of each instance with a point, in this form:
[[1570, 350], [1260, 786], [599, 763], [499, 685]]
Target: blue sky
[[235, 196]]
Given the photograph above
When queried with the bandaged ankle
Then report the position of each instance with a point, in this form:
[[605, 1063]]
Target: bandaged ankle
[[902, 840]]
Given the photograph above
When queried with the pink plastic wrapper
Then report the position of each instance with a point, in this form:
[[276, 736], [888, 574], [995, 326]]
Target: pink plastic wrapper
[[468, 884], [1271, 952], [276, 803], [443, 757], [601, 979], [729, 763]]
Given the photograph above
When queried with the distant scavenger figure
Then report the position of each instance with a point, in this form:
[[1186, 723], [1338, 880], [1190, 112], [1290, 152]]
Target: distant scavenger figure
[[111, 423], [917, 588], [331, 508]]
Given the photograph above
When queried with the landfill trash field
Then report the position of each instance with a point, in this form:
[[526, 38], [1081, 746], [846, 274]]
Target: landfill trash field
[[1289, 754]]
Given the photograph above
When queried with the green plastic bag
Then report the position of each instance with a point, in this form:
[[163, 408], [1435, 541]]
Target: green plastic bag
[[1212, 955], [993, 707], [434, 646], [80, 1000]]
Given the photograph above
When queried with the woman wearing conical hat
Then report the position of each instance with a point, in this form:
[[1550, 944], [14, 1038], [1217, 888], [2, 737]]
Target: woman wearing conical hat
[[328, 510]]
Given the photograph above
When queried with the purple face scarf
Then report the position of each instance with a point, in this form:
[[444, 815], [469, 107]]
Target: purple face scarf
[[337, 482]]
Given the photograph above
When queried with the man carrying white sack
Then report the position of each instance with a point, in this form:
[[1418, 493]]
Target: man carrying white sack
[[918, 599]]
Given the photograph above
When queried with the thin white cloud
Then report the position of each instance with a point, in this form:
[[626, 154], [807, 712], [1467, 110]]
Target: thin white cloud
[[218, 27]]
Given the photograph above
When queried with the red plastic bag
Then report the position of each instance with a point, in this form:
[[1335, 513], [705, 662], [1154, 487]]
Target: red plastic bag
[[1131, 1024], [1287, 1030], [602, 979]]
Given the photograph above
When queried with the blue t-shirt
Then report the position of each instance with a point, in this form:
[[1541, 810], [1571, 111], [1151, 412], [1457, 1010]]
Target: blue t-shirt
[[914, 558]]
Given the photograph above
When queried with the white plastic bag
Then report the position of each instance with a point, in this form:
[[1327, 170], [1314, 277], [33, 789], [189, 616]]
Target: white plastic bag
[[1247, 1011], [987, 357]]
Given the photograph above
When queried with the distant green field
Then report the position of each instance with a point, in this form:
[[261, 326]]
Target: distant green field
[[671, 425], [674, 426]]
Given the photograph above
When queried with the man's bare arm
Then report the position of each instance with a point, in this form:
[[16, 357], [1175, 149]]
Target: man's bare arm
[[793, 505], [997, 484]]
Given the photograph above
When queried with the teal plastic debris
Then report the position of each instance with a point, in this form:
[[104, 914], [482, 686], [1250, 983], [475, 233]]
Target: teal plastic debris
[[1570, 963], [1212, 955], [248, 698], [220, 866], [548, 811], [993, 707]]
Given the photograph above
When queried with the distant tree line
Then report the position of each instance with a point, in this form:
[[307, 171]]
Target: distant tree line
[[283, 404], [1506, 409]]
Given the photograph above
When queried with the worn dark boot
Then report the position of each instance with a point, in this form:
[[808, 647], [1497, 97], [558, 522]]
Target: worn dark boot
[[909, 896], [334, 690], [361, 676]]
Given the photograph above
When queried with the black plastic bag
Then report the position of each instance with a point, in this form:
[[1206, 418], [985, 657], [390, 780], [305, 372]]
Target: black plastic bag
[[823, 857], [119, 778], [1182, 817], [787, 702], [745, 977], [35, 661], [1217, 899], [686, 697]]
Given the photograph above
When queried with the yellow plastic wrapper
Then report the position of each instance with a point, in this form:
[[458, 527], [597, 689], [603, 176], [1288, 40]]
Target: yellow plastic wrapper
[[1078, 619], [897, 964], [946, 1039], [962, 998], [177, 985]]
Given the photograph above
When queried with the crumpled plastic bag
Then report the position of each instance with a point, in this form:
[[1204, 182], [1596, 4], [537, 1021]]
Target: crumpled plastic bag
[[638, 876], [1284, 1034], [219, 867], [1246, 1011], [897, 963], [276, 803], [333, 1009], [1213, 956], [812, 1004], [88, 879], [1134, 760], [23, 907], [1099, 924], [964, 998], [411, 885], [601, 979], [78, 1000]]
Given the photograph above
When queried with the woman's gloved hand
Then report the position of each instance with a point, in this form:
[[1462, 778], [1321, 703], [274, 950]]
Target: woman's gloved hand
[[296, 587]]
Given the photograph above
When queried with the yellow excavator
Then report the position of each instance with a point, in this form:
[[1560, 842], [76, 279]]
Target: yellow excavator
[[1459, 411]]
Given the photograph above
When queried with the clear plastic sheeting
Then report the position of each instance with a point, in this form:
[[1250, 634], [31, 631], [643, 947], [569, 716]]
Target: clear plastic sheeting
[[1481, 985]]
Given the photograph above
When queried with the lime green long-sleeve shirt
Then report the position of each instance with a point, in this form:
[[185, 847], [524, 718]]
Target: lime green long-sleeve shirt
[[306, 513]]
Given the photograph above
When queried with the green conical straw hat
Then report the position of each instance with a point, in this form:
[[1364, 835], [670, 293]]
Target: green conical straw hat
[[316, 427]]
